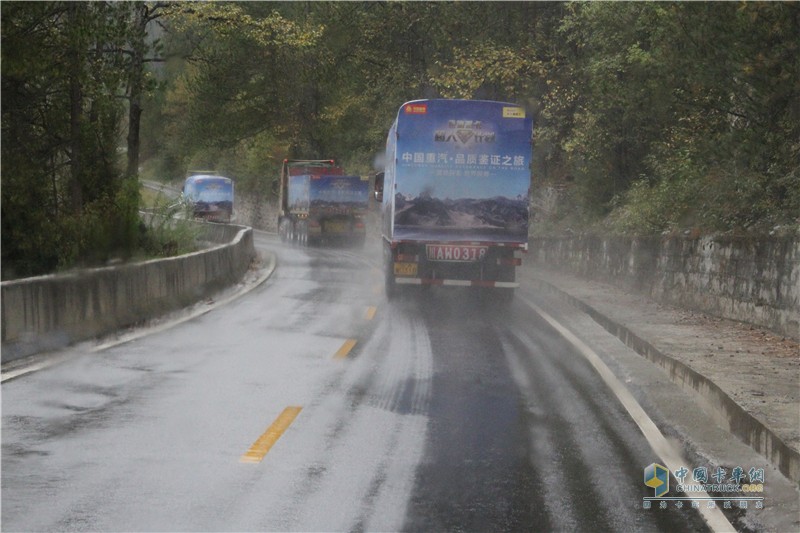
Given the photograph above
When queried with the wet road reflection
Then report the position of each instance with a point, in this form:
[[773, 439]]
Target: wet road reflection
[[447, 412]]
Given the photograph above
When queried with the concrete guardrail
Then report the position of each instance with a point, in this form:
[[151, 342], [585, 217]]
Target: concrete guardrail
[[49, 312]]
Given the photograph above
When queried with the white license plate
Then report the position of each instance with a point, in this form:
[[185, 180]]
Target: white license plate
[[455, 252]]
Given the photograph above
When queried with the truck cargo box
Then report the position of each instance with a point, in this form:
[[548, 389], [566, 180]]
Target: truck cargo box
[[209, 196], [455, 205], [319, 203]]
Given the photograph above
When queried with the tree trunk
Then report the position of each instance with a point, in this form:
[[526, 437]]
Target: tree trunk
[[136, 88], [75, 110]]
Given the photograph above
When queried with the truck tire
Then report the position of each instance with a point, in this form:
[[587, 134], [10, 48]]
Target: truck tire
[[390, 285], [302, 233], [283, 229]]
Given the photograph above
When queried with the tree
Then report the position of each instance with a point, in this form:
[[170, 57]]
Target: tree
[[144, 13], [694, 104], [62, 78]]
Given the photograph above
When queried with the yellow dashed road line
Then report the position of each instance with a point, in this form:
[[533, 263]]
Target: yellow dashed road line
[[345, 349], [260, 447]]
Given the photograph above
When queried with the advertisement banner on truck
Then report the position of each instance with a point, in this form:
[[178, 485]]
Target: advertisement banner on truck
[[337, 193], [298, 192], [462, 171], [208, 189]]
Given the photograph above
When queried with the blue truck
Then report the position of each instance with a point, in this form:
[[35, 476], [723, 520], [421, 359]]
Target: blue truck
[[454, 194], [319, 203], [209, 197]]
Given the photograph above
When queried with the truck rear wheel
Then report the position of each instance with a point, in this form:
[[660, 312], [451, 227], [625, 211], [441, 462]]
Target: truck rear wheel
[[302, 233], [283, 229], [390, 285]]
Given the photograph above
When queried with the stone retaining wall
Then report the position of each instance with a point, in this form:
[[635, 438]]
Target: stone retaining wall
[[751, 280]]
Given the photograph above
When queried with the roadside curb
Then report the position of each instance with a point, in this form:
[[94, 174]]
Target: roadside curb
[[728, 413]]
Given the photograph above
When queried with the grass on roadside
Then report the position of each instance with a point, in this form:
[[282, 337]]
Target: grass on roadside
[[165, 230]]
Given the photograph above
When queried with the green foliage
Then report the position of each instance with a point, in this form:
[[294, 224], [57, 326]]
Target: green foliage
[[167, 230], [690, 107], [64, 202], [649, 117], [680, 114], [106, 229]]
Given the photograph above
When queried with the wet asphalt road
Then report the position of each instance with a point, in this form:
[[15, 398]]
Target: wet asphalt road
[[437, 412], [522, 434]]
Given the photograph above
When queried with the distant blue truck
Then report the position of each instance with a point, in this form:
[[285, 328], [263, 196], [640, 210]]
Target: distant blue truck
[[319, 203], [455, 194], [209, 196]]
